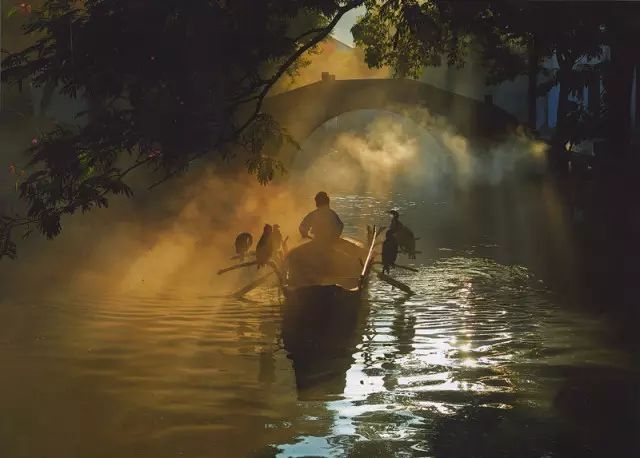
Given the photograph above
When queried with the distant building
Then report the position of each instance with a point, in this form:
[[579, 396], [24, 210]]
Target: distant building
[[513, 96]]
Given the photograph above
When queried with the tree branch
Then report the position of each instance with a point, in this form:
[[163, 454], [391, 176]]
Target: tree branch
[[322, 33], [134, 166], [292, 59], [308, 32]]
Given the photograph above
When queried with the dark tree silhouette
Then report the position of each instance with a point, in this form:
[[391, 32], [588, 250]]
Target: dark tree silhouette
[[171, 81], [168, 81], [514, 38], [622, 29]]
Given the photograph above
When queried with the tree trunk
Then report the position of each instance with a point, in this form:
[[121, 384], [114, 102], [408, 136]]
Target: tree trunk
[[533, 83], [558, 156], [564, 78], [637, 81], [618, 97], [595, 101]]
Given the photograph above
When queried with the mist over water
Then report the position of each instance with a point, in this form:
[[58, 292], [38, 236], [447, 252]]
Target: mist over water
[[376, 151], [114, 340], [176, 237]]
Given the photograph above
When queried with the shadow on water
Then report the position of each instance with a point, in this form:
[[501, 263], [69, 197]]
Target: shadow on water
[[595, 413]]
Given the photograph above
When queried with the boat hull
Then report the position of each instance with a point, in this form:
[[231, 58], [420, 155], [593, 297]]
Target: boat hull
[[321, 296], [322, 325], [324, 312]]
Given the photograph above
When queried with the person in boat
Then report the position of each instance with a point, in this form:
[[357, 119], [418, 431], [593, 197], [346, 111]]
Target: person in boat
[[389, 251], [404, 235], [323, 222]]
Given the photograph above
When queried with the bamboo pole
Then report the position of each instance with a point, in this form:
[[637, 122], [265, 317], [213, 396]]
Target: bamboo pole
[[395, 283], [237, 266], [400, 266], [251, 286], [411, 269], [248, 254], [367, 262]]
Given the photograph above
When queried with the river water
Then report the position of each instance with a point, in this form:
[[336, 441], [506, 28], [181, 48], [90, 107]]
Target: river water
[[485, 359]]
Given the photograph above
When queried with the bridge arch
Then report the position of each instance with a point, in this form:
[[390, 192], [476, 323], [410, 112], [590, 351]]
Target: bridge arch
[[304, 109]]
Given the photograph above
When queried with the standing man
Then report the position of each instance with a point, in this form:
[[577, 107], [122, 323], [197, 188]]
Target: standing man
[[324, 223]]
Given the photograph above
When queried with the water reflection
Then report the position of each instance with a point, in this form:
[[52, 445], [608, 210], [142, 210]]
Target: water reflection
[[481, 361], [320, 339], [481, 344]]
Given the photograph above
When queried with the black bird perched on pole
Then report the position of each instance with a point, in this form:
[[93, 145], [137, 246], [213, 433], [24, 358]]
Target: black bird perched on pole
[[389, 251], [264, 248], [406, 239], [244, 241]]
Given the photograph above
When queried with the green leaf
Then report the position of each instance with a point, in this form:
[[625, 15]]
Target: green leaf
[[12, 11]]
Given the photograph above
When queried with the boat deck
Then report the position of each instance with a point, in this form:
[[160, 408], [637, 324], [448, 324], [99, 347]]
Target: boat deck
[[314, 263]]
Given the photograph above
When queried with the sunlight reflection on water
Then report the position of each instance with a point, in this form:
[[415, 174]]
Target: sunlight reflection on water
[[480, 345], [474, 334]]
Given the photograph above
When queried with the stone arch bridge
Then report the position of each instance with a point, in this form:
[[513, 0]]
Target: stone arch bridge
[[304, 109]]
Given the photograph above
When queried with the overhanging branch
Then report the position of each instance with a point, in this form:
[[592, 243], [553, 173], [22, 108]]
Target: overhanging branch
[[321, 34]]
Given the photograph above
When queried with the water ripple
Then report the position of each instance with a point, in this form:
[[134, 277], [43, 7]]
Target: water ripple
[[479, 346]]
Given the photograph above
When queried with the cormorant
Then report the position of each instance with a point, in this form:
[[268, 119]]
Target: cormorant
[[244, 241], [406, 239], [276, 238], [264, 248], [389, 251]]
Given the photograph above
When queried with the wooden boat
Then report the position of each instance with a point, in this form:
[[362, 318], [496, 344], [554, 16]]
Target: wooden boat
[[328, 272], [321, 342], [325, 311], [323, 273], [324, 283]]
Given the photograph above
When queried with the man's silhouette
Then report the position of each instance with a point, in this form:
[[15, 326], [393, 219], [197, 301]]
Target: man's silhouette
[[323, 223]]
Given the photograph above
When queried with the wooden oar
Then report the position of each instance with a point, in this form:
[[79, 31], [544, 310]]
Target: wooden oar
[[400, 266], [393, 282], [253, 285], [237, 266], [249, 253]]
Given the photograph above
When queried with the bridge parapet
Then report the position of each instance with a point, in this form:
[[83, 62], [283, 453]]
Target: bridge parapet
[[304, 109]]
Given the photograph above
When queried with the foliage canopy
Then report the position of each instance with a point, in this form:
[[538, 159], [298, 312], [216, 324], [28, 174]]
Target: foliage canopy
[[170, 81], [166, 82]]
